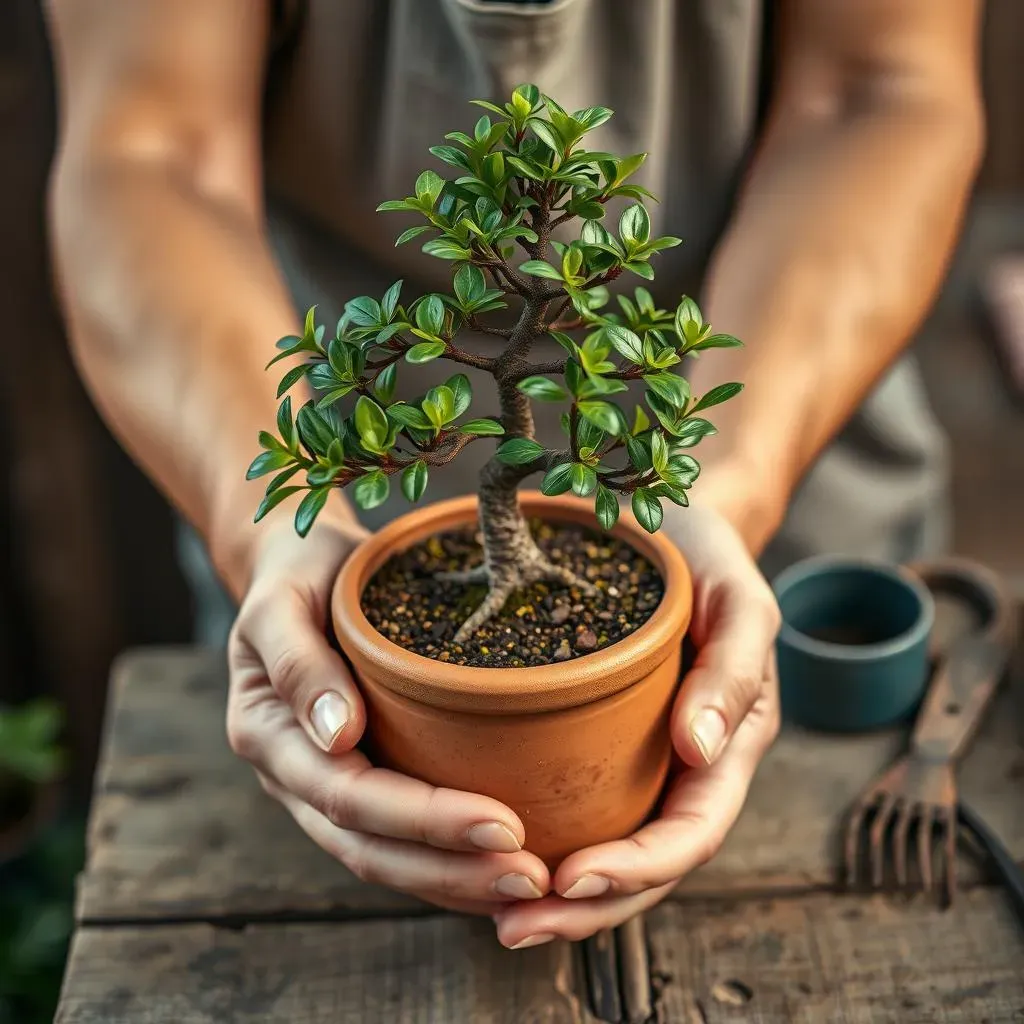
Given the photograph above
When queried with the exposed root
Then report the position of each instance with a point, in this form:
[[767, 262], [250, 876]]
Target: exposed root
[[514, 578]]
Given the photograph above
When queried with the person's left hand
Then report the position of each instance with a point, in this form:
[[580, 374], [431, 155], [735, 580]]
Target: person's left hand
[[725, 718]]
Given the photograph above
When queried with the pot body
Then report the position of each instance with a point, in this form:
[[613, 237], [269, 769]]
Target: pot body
[[579, 750]]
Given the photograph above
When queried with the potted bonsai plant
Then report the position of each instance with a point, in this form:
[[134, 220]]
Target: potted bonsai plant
[[536, 660]]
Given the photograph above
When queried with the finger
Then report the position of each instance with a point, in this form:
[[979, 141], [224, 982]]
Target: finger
[[728, 675], [353, 795], [283, 639], [486, 881], [531, 924], [700, 808]]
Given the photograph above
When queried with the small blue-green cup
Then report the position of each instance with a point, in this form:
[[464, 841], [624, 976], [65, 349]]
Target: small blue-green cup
[[853, 646]]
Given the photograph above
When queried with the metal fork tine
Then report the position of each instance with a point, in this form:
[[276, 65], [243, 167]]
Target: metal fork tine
[[949, 828], [899, 842], [925, 830], [877, 839], [853, 827]]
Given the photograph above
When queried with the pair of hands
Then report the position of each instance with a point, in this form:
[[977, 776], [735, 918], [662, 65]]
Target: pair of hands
[[295, 713]]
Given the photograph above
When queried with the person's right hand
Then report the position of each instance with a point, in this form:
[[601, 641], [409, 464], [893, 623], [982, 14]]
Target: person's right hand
[[295, 714]]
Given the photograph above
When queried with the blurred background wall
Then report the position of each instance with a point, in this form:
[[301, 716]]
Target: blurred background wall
[[90, 567]]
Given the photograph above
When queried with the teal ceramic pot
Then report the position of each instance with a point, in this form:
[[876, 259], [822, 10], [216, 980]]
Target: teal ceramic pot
[[853, 646]]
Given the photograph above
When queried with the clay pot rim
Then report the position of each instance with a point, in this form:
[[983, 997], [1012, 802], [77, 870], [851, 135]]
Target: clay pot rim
[[509, 690]]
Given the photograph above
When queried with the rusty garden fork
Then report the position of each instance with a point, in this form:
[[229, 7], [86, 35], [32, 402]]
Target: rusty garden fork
[[920, 788]]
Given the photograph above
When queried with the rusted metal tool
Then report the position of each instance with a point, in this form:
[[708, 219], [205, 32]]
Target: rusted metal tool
[[918, 793]]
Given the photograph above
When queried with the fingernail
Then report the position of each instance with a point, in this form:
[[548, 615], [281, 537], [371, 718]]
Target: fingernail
[[493, 836], [708, 732], [533, 940], [329, 715], [519, 887], [586, 887]]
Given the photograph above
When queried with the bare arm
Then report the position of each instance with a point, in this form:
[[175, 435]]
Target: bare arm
[[170, 290], [842, 234]]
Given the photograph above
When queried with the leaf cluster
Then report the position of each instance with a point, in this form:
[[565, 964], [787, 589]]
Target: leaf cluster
[[519, 175]]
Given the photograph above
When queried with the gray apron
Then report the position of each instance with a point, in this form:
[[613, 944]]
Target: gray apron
[[359, 90]]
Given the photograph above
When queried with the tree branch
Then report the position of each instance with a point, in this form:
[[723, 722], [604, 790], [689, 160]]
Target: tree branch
[[498, 332], [458, 355]]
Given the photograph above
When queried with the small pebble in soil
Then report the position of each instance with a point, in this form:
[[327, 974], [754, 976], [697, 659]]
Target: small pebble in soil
[[543, 623]]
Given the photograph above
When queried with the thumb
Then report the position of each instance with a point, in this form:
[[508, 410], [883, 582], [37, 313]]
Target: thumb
[[730, 670], [280, 639]]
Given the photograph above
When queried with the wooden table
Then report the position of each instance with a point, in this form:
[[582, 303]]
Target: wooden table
[[202, 903]]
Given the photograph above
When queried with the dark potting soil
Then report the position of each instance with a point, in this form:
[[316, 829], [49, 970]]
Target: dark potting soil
[[545, 623]]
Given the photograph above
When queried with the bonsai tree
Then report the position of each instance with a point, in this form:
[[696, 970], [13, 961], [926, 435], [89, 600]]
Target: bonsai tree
[[521, 175]]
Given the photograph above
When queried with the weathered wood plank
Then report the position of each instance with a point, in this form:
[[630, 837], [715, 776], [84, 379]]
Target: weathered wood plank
[[439, 970], [845, 960], [180, 829]]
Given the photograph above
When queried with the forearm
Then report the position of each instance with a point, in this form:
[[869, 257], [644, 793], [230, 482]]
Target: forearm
[[174, 302], [840, 241]]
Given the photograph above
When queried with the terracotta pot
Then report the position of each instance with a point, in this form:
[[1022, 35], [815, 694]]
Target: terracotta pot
[[579, 749]]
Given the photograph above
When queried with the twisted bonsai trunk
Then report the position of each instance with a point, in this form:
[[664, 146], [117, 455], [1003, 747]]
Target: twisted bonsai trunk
[[512, 559]]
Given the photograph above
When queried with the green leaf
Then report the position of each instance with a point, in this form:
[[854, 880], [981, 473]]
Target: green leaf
[[518, 451], [635, 225], [647, 510], [273, 499], [408, 416], [674, 494], [566, 342], [682, 470], [483, 428], [604, 415], [671, 387], [282, 478], [716, 341], [285, 426], [542, 389], [296, 373], [584, 479], [659, 453], [384, 385], [641, 421], [640, 268], [371, 489], [717, 395], [538, 268], [430, 315], [309, 509], [469, 284], [462, 390], [453, 156], [444, 399], [639, 453], [557, 480], [688, 321], [425, 351], [363, 311], [414, 480], [314, 430], [625, 342], [429, 186], [528, 92], [410, 233], [547, 134], [487, 105], [627, 165], [606, 507], [268, 462], [371, 424], [446, 250], [390, 301], [693, 431], [395, 204]]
